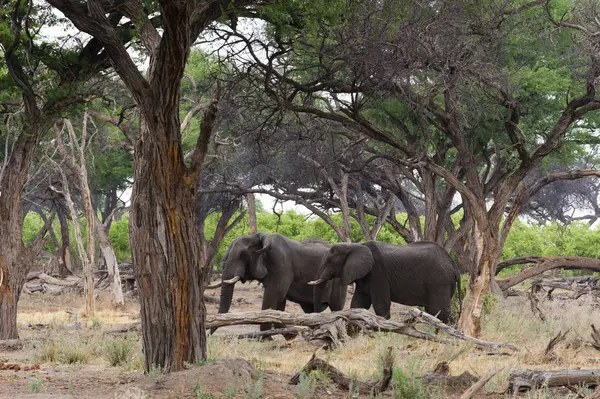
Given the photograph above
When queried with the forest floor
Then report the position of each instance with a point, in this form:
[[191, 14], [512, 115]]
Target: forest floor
[[73, 363]]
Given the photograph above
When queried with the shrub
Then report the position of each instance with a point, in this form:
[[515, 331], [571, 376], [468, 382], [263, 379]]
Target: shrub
[[120, 350]]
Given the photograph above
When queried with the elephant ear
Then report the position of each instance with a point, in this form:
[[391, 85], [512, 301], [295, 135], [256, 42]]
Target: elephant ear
[[258, 267], [358, 264]]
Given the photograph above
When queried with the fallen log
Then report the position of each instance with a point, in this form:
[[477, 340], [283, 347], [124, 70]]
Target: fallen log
[[356, 319], [287, 331], [32, 276], [526, 380], [121, 328], [478, 385], [461, 381], [55, 281], [542, 264], [372, 388], [11, 345]]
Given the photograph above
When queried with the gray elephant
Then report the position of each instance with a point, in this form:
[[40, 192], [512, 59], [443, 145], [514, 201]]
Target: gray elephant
[[284, 267], [416, 274]]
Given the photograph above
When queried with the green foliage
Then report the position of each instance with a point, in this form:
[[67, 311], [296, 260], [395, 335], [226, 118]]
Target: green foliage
[[406, 388], [198, 392], [32, 224], [523, 240], [34, 385], [119, 238], [308, 384], [254, 389]]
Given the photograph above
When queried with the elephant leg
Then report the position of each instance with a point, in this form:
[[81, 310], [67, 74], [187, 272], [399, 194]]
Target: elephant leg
[[272, 299], [361, 300], [307, 307], [439, 307], [382, 301]]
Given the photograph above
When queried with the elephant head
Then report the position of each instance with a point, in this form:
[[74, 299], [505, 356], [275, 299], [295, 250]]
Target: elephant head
[[243, 261], [348, 262]]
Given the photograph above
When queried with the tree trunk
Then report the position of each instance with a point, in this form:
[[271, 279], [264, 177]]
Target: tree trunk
[[15, 259], [168, 254], [110, 259], [486, 257], [252, 212], [75, 160], [64, 255]]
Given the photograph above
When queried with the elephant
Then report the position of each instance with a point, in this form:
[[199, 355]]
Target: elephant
[[284, 267], [417, 274]]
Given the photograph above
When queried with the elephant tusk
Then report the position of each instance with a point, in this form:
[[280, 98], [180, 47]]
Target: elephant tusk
[[315, 282], [215, 285], [232, 280]]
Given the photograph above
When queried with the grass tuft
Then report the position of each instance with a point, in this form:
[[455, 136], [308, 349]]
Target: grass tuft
[[119, 351]]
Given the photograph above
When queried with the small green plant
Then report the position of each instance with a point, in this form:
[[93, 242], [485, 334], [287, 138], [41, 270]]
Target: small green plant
[[230, 392], [95, 323], [254, 389], [118, 351], [307, 385], [34, 385], [405, 388], [199, 393]]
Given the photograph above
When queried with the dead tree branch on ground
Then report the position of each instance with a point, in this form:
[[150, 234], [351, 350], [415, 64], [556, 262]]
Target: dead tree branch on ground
[[364, 388]]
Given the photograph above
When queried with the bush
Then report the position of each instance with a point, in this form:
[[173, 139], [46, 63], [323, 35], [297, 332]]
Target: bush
[[119, 238], [120, 350]]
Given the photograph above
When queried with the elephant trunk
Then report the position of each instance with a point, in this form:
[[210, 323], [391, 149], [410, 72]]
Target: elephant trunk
[[225, 301], [321, 296]]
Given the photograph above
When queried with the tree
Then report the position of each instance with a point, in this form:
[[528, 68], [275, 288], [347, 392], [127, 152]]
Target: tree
[[167, 248], [446, 92], [44, 79]]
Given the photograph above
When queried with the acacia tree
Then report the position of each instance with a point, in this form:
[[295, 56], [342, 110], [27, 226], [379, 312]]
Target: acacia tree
[[455, 72], [167, 249]]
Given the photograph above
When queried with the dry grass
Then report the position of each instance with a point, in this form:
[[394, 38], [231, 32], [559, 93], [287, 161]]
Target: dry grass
[[510, 320]]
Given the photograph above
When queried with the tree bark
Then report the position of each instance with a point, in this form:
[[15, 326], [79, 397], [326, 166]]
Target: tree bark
[[15, 259], [523, 381], [472, 306], [64, 263], [167, 249], [110, 259], [76, 162], [252, 212]]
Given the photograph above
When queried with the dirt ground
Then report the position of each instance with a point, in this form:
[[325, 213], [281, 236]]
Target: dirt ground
[[253, 369]]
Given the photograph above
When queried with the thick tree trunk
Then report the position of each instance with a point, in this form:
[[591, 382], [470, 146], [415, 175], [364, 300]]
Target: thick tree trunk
[[168, 254], [13, 272], [15, 259], [252, 212]]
